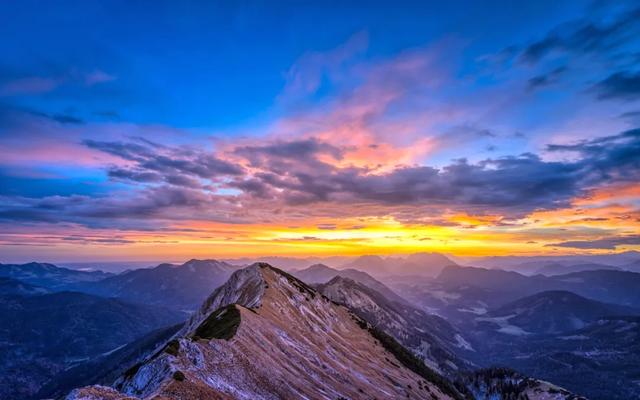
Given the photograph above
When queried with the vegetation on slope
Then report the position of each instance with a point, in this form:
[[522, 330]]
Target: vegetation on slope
[[220, 324], [409, 361]]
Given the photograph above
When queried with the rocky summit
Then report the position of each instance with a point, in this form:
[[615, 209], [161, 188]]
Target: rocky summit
[[265, 334]]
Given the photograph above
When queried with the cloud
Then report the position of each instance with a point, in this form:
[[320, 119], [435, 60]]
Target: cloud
[[151, 163], [585, 37], [607, 159], [60, 118], [306, 75], [608, 243], [620, 85], [547, 79], [118, 210]]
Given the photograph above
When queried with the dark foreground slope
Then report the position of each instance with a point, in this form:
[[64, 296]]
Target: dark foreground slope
[[43, 335]]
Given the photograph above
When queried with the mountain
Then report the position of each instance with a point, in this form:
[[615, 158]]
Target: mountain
[[49, 276], [320, 273], [10, 286], [515, 262], [429, 337], [609, 286], [180, 287], [632, 266], [552, 312], [419, 264], [42, 335], [493, 279], [619, 287], [425, 264], [267, 335], [560, 269]]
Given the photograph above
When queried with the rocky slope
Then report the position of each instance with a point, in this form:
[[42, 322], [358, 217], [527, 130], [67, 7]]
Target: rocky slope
[[429, 337], [267, 335]]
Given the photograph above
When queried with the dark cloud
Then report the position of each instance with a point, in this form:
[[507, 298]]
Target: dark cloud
[[620, 85], [609, 243], [309, 182], [131, 175], [294, 149], [512, 185], [585, 37], [632, 116], [165, 202], [157, 163], [547, 79], [607, 159], [60, 118]]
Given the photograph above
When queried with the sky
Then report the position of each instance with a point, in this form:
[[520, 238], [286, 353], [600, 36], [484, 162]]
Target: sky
[[131, 131]]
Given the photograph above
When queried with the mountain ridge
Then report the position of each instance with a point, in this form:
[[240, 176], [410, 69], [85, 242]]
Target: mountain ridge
[[323, 344]]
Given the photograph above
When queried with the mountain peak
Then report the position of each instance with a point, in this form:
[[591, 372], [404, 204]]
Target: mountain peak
[[266, 334]]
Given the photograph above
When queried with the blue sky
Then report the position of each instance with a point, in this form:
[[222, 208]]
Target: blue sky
[[218, 64], [191, 113]]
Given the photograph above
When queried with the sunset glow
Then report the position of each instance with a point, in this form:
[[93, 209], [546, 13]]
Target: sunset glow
[[522, 141]]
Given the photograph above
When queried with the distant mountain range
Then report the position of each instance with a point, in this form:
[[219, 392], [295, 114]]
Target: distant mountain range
[[609, 286], [419, 264], [49, 275], [531, 264], [560, 269], [553, 312], [181, 287]]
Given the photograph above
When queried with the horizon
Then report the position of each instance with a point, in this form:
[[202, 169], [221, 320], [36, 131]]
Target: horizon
[[206, 129], [508, 263]]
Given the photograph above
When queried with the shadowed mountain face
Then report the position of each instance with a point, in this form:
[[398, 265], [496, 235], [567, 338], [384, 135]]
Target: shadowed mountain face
[[429, 337], [601, 360], [320, 273], [554, 312], [42, 335], [181, 287], [49, 276], [10, 286], [106, 368], [546, 327], [609, 286], [265, 334]]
